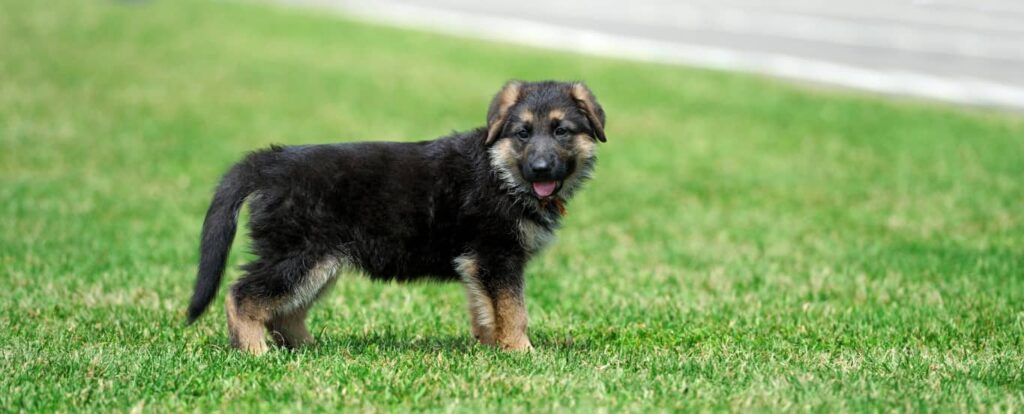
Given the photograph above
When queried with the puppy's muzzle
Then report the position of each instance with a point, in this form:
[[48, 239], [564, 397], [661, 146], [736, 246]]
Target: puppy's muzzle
[[545, 172]]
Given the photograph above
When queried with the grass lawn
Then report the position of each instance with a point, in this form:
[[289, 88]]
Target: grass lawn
[[745, 244]]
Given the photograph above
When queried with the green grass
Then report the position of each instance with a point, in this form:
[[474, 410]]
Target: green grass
[[746, 244]]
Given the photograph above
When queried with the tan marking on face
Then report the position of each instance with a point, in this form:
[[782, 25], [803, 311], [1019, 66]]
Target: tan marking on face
[[481, 309], [584, 150], [584, 147], [526, 116], [511, 321], [556, 115], [246, 320], [505, 161]]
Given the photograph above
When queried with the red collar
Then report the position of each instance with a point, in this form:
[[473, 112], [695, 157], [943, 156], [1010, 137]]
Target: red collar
[[559, 204]]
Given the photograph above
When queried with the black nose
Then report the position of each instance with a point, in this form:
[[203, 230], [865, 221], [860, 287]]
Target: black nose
[[540, 166]]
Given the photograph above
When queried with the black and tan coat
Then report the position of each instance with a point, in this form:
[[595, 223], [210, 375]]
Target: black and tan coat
[[473, 207]]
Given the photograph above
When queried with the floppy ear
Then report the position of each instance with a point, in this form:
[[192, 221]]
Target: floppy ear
[[586, 102], [500, 105]]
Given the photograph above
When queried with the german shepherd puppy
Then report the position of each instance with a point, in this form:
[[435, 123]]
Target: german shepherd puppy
[[473, 206]]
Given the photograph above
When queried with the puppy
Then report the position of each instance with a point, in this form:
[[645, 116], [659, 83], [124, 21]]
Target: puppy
[[473, 207]]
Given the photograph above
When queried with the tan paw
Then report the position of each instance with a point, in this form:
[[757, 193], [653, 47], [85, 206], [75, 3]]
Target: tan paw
[[521, 344], [255, 349]]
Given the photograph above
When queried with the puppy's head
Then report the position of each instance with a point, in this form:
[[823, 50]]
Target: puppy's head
[[542, 136]]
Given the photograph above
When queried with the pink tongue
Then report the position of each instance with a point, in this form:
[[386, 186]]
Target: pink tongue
[[544, 189]]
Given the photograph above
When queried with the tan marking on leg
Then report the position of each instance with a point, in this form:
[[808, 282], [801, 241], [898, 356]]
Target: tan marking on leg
[[481, 310], [246, 319], [511, 322], [289, 330], [313, 285], [288, 321]]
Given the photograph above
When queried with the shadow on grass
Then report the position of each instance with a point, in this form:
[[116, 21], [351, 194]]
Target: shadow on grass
[[414, 342], [390, 342]]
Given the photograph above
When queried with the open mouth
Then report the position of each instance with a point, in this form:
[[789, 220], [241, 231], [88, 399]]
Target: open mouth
[[544, 189]]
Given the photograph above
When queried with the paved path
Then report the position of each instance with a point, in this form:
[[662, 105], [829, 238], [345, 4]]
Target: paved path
[[964, 51]]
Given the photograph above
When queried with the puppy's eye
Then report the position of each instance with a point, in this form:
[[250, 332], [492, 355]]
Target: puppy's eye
[[561, 131], [523, 134]]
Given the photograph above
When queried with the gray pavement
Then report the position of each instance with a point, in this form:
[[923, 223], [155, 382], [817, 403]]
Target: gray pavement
[[962, 51]]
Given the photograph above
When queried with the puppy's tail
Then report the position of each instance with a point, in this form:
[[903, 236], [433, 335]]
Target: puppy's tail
[[219, 231]]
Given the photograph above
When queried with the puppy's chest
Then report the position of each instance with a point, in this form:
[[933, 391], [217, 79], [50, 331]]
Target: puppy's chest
[[532, 236]]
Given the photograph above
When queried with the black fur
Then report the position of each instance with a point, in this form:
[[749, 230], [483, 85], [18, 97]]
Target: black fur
[[398, 211]]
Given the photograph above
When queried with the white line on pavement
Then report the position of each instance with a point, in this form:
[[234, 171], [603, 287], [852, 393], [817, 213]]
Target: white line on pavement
[[890, 81]]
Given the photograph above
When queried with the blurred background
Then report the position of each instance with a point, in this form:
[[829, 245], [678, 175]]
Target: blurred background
[[780, 236], [964, 51]]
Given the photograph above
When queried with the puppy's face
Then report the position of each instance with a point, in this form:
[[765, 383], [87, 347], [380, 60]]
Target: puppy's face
[[543, 137]]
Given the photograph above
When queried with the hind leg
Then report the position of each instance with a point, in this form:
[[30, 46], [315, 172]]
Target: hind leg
[[275, 295], [288, 326], [289, 330], [246, 317]]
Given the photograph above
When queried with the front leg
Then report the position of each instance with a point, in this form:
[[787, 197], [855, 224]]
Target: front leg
[[497, 307], [510, 319]]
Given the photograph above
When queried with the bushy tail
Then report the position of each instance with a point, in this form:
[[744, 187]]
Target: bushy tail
[[218, 233]]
